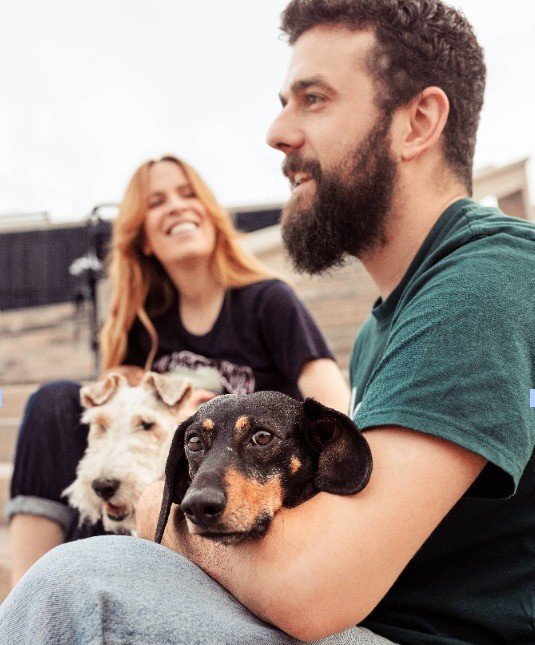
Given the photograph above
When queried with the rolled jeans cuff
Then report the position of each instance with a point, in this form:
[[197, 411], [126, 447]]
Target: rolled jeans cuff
[[55, 511]]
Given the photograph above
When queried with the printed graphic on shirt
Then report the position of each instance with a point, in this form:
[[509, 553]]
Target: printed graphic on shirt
[[237, 379]]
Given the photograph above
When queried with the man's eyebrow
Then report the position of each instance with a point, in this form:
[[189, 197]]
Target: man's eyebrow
[[305, 84]]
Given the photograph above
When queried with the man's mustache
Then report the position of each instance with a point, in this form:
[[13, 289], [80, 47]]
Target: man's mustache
[[293, 163]]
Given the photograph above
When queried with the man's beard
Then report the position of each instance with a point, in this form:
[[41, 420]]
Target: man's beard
[[350, 209]]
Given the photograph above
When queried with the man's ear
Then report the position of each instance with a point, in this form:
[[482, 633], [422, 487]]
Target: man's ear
[[424, 120]]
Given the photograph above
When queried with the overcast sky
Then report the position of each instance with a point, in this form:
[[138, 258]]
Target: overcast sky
[[89, 90]]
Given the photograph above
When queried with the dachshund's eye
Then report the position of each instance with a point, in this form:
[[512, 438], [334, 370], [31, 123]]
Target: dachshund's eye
[[262, 438], [146, 425], [194, 443]]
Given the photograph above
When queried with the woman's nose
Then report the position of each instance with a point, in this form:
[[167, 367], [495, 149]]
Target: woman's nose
[[177, 203]]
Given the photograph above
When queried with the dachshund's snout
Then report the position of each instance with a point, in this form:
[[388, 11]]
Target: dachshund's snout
[[204, 506]]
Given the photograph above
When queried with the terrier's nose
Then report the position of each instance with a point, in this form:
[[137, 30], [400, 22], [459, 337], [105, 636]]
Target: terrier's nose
[[105, 488], [204, 506]]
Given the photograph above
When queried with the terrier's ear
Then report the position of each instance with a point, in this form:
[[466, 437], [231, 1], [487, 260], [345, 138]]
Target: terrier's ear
[[171, 389], [425, 118], [345, 460], [176, 477], [101, 391]]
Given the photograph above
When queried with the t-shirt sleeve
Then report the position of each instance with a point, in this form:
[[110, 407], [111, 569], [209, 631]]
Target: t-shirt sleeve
[[459, 364], [288, 330]]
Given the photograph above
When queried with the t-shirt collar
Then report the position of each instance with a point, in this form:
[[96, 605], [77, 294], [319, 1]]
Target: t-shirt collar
[[382, 309]]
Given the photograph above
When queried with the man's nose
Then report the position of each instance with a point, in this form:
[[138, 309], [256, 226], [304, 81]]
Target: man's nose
[[284, 133]]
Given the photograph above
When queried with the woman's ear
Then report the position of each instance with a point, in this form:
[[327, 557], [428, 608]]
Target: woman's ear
[[424, 120]]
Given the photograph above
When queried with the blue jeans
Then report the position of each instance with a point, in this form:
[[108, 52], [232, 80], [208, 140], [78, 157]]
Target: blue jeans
[[118, 589]]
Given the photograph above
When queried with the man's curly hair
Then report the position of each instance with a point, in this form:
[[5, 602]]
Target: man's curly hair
[[421, 43]]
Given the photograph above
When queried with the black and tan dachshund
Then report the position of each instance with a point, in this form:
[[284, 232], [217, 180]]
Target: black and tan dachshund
[[240, 458]]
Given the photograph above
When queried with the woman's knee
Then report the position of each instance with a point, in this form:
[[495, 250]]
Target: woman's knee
[[51, 396], [50, 442]]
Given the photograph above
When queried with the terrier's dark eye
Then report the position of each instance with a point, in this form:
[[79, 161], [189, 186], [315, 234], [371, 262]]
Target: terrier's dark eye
[[147, 425], [194, 443], [262, 438]]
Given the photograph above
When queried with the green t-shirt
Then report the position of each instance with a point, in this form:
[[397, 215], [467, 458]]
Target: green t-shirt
[[451, 352]]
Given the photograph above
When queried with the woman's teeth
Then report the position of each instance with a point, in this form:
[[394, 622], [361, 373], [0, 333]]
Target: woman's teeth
[[183, 227]]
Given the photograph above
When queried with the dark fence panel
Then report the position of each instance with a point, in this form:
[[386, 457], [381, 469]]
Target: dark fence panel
[[248, 221], [34, 265]]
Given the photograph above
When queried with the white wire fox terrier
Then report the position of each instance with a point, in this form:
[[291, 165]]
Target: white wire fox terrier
[[130, 432]]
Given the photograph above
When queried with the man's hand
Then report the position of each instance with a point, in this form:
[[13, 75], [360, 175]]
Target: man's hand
[[148, 509]]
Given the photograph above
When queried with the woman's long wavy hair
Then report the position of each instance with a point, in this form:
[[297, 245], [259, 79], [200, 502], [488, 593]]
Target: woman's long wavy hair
[[140, 286]]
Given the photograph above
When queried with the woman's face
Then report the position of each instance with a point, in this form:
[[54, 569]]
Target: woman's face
[[177, 227]]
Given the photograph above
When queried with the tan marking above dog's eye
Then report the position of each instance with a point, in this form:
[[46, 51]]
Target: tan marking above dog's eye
[[194, 443], [262, 438], [242, 423], [295, 464], [208, 424]]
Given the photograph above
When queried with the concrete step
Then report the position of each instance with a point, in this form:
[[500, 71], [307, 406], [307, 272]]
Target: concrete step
[[14, 399], [6, 470], [9, 428]]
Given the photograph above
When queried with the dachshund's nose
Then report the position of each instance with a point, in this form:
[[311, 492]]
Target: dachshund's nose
[[105, 488], [204, 506]]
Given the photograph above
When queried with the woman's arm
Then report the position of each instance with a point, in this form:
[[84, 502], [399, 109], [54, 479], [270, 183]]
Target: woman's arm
[[322, 380]]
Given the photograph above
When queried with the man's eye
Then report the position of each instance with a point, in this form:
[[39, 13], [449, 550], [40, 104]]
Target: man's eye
[[313, 99], [194, 443], [262, 438], [146, 425]]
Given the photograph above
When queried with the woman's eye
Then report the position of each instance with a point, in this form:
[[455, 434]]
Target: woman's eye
[[194, 443], [262, 438], [146, 425], [153, 203]]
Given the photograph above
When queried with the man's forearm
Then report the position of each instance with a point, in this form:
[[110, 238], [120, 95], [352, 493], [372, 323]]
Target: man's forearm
[[324, 565]]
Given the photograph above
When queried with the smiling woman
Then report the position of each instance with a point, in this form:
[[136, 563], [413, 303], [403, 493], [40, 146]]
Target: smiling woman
[[185, 296], [177, 226]]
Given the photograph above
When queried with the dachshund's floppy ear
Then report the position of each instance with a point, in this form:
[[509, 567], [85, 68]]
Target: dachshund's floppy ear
[[345, 459], [176, 477], [101, 391]]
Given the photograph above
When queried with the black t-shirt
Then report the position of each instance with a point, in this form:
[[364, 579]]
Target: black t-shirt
[[260, 341]]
